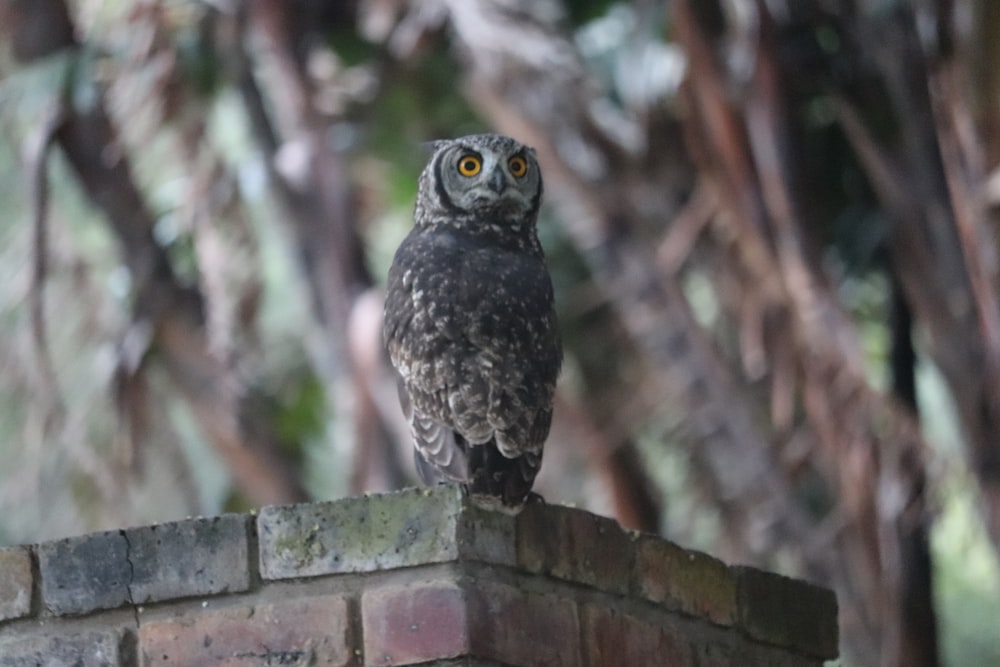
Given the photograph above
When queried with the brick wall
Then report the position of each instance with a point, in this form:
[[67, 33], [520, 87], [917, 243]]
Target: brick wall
[[417, 577]]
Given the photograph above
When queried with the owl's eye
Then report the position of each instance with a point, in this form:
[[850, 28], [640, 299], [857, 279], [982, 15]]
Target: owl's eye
[[469, 165], [518, 166]]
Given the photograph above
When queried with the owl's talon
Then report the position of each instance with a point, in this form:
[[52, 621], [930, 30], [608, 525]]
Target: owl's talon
[[534, 499]]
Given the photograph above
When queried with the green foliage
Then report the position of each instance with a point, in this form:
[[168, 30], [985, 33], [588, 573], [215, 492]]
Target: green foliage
[[300, 408], [967, 579], [351, 47], [200, 64], [421, 104], [966, 572], [581, 12]]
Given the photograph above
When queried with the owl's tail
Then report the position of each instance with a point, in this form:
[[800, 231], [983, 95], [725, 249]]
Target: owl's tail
[[482, 470], [493, 474]]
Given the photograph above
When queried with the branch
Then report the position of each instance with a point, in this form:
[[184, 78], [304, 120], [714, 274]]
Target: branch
[[38, 154], [174, 311]]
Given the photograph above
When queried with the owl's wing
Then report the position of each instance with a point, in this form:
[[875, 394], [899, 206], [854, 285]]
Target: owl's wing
[[438, 455], [417, 333]]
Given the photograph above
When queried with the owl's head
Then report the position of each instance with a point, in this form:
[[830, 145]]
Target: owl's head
[[483, 174]]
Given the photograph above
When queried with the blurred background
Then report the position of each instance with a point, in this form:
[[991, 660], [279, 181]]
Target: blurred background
[[772, 226]]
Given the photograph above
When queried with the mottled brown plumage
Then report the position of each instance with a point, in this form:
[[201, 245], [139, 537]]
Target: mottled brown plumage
[[470, 323]]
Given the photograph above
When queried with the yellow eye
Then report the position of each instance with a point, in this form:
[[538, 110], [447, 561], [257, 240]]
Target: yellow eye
[[469, 165], [518, 166]]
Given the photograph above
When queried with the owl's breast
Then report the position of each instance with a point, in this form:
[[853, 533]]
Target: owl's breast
[[453, 296]]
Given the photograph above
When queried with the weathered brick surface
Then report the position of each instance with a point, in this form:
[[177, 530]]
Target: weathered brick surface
[[688, 581], [89, 649], [522, 627], [576, 546], [15, 582], [467, 662], [720, 650], [358, 534], [315, 631], [81, 574], [441, 619], [612, 637], [787, 612], [420, 577], [486, 536], [413, 623], [769, 656], [188, 558], [409, 527], [713, 646]]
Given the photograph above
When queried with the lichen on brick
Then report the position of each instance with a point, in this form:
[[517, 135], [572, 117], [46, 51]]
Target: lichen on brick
[[572, 588], [301, 549], [359, 534], [688, 581]]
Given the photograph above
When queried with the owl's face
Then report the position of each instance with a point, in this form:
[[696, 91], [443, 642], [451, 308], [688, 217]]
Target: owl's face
[[488, 174]]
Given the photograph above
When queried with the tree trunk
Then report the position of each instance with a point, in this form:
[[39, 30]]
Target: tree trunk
[[174, 312]]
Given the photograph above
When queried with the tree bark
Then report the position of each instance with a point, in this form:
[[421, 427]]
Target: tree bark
[[938, 254], [173, 311]]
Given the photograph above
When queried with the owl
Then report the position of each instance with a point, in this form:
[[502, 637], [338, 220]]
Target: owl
[[470, 322]]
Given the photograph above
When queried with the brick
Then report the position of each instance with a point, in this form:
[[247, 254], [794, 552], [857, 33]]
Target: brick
[[522, 627], [715, 646], [413, 623], [91, 649], [687, 581], [576, 546], [787, 612], [432, 620], [727, 647], [409, 527], [486, 535], [770, 656], [15, 582], [82, 574], [315, 631], [567, 605], [468, 662], [611, 638], [189, 558], [720, 651], [358, 534]]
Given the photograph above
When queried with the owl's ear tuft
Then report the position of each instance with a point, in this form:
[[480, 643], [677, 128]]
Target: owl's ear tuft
[[432, 147]]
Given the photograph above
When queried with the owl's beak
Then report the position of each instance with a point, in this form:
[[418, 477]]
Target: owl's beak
[[497, 181]]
